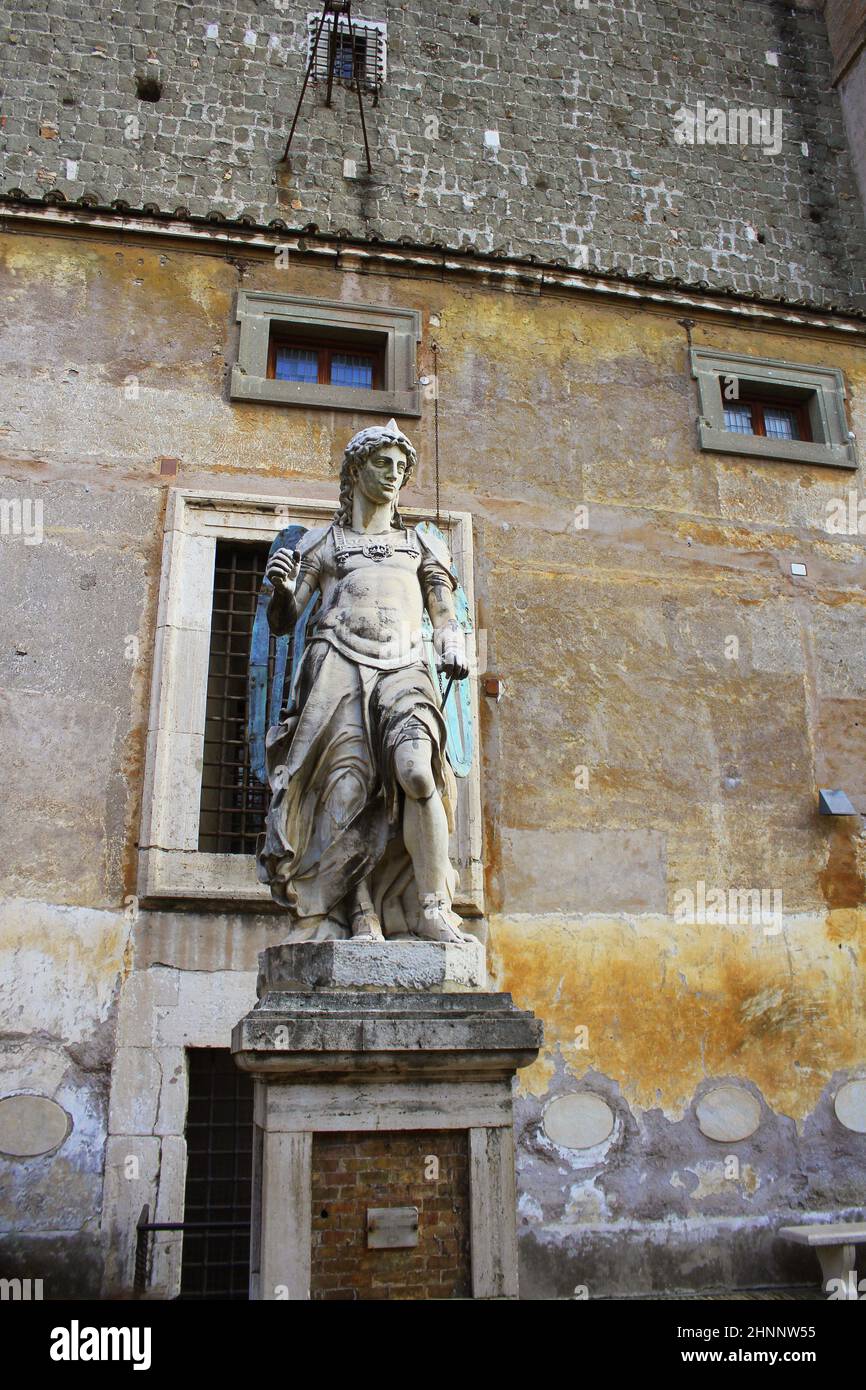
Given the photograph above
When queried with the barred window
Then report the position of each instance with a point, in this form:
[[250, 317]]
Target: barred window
[[356, 361], [739, 419], [233, 801], [327, 354], [766, 408], [359, 53], [348, 59], [219, 1130], [768, 418], [295, 364]]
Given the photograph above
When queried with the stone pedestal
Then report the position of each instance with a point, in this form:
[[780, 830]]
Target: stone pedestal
[[375, 1052]]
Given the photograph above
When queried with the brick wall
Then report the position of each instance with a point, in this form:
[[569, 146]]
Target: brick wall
[[846, 24], [545, 129], [352, 1172]]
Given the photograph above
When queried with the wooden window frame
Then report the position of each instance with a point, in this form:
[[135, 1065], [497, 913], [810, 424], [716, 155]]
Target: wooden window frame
[[758, 404], [326, 348]]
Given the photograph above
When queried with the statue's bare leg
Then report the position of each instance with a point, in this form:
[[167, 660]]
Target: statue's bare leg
[[365, 924], [425, 833], [346, 799]]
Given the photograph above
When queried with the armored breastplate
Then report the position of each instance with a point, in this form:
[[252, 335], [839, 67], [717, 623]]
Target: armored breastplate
[[371, 547], [372, 608]]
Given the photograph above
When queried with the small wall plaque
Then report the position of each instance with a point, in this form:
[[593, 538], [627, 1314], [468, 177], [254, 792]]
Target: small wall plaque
[[392, 1228], [834, 803]]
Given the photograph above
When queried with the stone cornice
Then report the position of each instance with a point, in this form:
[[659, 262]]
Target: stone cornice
[[528, 275]]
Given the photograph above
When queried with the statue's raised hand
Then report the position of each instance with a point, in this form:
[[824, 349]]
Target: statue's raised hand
[[282, 571]]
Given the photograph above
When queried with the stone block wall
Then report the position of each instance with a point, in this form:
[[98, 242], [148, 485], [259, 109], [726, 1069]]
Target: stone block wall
[[846, 25], [558, 130]]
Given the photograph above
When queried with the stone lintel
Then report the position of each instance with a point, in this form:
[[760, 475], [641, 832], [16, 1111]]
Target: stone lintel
[[337, 1105]]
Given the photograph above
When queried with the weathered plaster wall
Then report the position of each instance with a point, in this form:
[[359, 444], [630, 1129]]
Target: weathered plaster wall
[[611, 640], [60, 968], [541, 129]]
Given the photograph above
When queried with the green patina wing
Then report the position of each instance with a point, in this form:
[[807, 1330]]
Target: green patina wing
[[458, 708], [263, 712]]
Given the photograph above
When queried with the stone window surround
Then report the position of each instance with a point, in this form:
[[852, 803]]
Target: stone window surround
[[171, 867], [257, 310], [832, 441]]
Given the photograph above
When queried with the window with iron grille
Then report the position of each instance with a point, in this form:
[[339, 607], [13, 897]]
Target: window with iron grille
[[233, 802], [767, 418], [350, 54], [219, 1130], [351, 361], [326, 354], [765, 408]]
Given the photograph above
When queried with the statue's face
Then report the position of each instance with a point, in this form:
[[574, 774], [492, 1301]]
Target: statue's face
[[381, 475]]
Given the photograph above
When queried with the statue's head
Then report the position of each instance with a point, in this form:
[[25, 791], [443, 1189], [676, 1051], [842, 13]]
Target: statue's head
[[379, 460]]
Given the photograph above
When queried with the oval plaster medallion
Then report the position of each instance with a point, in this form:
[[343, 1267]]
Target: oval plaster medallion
[[31, 1125], [728, 1113], [850, 1106], [578, 1121]]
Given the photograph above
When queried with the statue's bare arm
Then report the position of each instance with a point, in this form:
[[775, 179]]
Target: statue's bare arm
[[289, 598], [448, 639]]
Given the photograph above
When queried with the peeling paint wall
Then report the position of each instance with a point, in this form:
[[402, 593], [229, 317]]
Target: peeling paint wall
[[611, 638], [60, 972]]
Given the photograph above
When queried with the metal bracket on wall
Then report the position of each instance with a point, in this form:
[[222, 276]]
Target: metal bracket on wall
[[335, 8]]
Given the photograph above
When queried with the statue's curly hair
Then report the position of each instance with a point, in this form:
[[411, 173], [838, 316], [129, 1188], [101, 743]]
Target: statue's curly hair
[[357, 451]]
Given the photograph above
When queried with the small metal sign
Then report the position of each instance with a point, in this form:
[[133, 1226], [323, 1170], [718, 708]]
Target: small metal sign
[[834, 802], [392, 1228]]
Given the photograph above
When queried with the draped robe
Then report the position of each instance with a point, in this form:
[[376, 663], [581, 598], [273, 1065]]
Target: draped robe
[[364, 687]]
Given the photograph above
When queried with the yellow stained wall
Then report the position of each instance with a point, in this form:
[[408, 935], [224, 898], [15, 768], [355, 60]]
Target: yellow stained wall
[[611, 640]]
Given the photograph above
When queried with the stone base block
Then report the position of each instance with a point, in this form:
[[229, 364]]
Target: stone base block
[[373, 965]]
